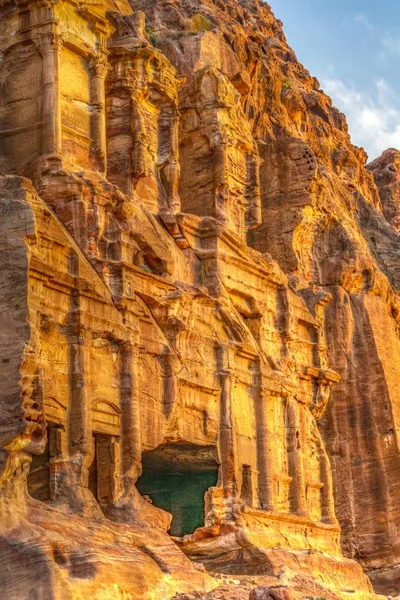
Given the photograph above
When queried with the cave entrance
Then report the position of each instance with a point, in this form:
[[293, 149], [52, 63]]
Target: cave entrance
[[176, 478]]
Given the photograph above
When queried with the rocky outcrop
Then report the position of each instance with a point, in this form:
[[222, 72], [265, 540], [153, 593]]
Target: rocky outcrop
[[326, 224], [199, 311], [386, 172]]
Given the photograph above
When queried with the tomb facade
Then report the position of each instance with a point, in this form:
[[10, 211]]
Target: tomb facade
[[164, 372]]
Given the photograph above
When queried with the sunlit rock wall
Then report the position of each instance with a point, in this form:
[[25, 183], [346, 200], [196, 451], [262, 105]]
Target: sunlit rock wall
[[191, 293]]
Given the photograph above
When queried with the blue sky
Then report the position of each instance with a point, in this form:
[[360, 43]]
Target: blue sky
[[353, 48]]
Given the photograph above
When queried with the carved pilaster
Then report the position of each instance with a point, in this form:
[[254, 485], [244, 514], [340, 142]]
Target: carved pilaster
[[296, 448], [131, 447], [264, 447], [138, 132], [327, 503], [80, 417], [253, 192], [49, 44], [99, 67], [221, 178], [226, 357]]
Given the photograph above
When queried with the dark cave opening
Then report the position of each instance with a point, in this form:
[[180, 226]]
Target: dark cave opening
[[176, 478]]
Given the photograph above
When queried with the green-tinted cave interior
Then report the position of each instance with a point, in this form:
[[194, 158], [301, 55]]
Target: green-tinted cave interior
[[176, 477]]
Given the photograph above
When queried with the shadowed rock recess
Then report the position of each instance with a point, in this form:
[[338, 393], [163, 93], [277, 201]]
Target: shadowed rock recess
[[199, 313]]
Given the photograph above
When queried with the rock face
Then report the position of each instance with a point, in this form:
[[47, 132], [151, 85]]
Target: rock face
[[386, 171], [199, 311]]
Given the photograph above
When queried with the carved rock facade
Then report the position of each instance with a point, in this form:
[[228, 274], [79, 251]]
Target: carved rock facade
[[173, 304]]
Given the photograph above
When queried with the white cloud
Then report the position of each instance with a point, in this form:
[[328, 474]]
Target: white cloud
[[361, 18], [391, 44], [374, 119], [388, 43]]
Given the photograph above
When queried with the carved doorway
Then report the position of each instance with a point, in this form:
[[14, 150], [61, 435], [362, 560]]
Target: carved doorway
[[176, 478], [102, 469]]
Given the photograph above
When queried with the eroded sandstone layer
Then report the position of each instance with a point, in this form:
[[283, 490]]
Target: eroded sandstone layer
[[199, 312]]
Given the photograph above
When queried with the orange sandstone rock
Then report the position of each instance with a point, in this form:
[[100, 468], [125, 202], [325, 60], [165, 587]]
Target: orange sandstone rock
[[199, 312]]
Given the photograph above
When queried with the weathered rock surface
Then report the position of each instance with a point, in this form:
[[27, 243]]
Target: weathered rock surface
[[199, 324], [326, 223], [386, 171]]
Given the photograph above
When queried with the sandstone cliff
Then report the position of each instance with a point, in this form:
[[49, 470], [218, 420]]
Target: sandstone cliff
[[199, 313]]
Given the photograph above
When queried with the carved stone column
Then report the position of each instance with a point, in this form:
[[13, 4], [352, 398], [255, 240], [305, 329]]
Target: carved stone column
[[221, 178], [327, 504], [253, 192], [99, 67], [264, 449], [49, 44], [138, 131], [227, 436], [295, 458], [80, 417], [131, 446]]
